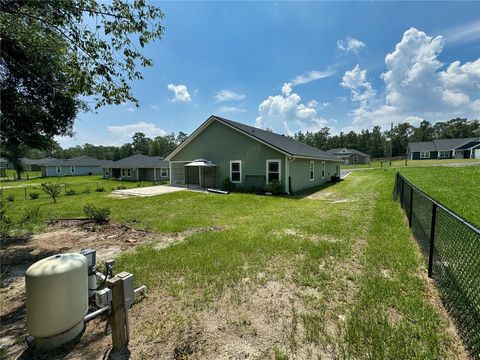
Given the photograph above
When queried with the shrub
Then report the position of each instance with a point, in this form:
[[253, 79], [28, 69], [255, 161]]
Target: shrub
[[70, 192], [227, 185], [275, 187], [34, 195], [10, 198], [98, 214], [52, 189], [30, 214], [5, 221], [100, 189], [86, 191], [121, 187]]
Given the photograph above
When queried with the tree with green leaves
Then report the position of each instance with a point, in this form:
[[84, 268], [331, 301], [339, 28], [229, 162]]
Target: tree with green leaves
[[61, 57]]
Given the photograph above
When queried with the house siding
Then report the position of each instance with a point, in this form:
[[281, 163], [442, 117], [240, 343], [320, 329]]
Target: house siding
[[299, 171], [48, 171], [221, 144]]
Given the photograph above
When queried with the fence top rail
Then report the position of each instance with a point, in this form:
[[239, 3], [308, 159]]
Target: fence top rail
[[443, 207]]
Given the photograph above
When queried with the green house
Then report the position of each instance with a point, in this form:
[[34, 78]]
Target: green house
[[249, 157]]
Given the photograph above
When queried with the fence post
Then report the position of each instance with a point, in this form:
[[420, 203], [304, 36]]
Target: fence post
[[411, 208], [401, 193], [117, 316], [432, 239]]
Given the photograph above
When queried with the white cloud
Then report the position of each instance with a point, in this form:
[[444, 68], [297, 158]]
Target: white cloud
[[181, 93], [154, 107], [131, 109], [228, 95], [312, 76], [125, 132], [463, 33], [230, 110], [286, 113], [361, 89], [350, 45], [415, 87]]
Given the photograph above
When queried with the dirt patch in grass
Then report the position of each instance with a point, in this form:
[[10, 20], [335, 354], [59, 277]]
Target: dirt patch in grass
[[17, 254]]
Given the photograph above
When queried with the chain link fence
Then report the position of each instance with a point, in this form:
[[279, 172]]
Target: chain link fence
[[452, 247]]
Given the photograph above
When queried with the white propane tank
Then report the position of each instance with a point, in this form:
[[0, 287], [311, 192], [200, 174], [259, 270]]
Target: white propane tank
[[57, 299]]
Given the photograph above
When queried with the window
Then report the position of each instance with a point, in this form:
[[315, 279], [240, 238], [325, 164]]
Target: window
[[59, 169], [236, 171], [123, 173], [107, 172], [424, 154], [312, 170], [129, 172], [273, 170], [355, 159], [72, 169], [323, 169], [164, 172], [444, 154]]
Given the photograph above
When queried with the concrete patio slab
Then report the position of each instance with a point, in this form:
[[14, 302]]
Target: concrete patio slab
[[146, 191]]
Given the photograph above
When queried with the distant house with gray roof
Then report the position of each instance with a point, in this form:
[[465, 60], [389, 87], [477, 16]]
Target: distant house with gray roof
[[249, 157], [34, 164], [138, 168], [350, 156], [467, 148], [77, 166]]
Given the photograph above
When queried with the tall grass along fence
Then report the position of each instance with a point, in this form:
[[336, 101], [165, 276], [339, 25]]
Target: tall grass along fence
[[452, 247]]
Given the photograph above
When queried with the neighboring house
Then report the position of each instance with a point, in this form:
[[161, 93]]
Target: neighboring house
[[350, 156], [138, 168], [34, 164], [223, 149], [468, 148], [77, 166]]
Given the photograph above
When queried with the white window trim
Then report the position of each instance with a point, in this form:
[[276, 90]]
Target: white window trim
[[59, 169], [279, 169], [161, 172], [355, 159], [311, 171], [123, 172], [424, 154], [129, 172], [234, 162], [72, 169], [107, 172], [323, 170]]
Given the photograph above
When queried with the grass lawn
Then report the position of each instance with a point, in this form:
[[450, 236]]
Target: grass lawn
[[458, 188], [410, 163], [333, 274], [21, 189], [11, 175]]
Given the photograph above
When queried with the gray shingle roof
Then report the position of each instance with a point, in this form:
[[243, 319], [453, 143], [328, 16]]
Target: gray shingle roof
[[28, 161], [140, 161], [439, 145], [78, 161], [281, 142], [346, 152]]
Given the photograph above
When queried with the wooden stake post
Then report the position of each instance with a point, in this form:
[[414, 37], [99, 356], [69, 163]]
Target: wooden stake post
[[118, 315]]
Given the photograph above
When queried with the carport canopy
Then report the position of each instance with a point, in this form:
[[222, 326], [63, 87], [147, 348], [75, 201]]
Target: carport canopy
[[201, 163]]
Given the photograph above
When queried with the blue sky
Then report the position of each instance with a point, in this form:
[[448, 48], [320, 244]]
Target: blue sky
[[293, 66]]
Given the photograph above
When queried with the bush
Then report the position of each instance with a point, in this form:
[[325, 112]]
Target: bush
[[275, 187], [30, 214], [10, 198], [70, 192], [227, 185], [121, 187], [86, 191], [100, 189], [98, 214], [34, 195], [52, 189], [5, 221]]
